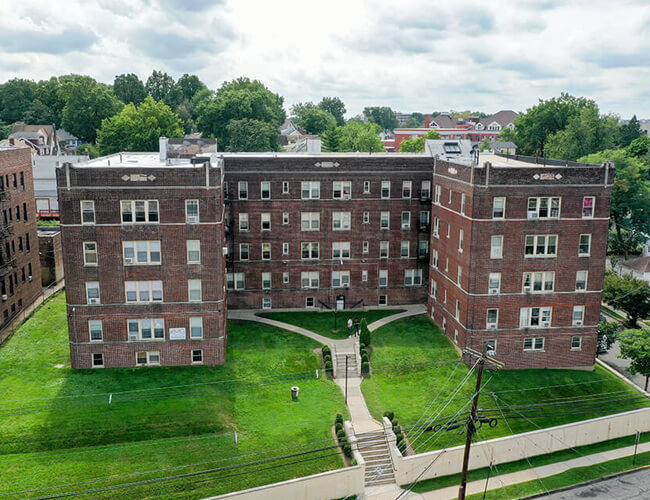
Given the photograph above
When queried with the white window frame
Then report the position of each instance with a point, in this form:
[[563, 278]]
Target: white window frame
[[266, 303], [536, 343], [148, 212], [266, 246], [434, 258], [501, 200], [341, 219], [366, 187], [407, 190], [425, 190], [310, 302], [365, 247], [423, 249], [580, 252], [341, 190], [92, 360], [436, 227], [586, 280], [341, 250], [382, 300], [242, 188], [384, 221], [578, 316], [366, 217], [496, 246], [285, 248], [90, 285], [492, 277], [412, 277], [235, 281], [438, 194], [461, 240], [544, 317], [536, 242], [311, 219], [266, 281], [406, 220], [262, 190], [531, 279], [192, 288], [91, 210], [151, 287], [312, 190], [265, 221], [200, 355], [152, 247], [384, 245], [586, 215], [244, 223], [243, 246], [196, 322], [385, 190], [285, 218], [191, 219], [534, 207], [91, 324], [459, 278], [285, 187], [285, 278], [383, 278], [434, 289], [193, 249], [87, 253], [404, 249], [492, 325], [155, 325], [463, 203], [311, 278], [312, 249], [340, 279], [576, 347], [149, 355], [364, 275]]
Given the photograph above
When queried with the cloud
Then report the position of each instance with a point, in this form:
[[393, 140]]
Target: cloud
[[609, 58], [68, 40], [190, 5]]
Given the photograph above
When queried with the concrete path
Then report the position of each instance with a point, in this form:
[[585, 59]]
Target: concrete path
[[251, 315], [387, 492], [411, 310], [360, 417], [535, 473]]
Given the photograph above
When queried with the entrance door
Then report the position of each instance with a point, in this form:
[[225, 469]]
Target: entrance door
[[340, 302]]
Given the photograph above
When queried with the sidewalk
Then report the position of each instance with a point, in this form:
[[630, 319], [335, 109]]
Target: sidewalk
[[496, 482]]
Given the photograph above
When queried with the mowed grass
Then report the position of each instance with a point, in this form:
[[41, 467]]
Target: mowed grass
[[57, 426], [414, 364], [323, 322]]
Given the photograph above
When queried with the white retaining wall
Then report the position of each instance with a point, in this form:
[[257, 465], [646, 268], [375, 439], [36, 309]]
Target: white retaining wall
[[520, 446]]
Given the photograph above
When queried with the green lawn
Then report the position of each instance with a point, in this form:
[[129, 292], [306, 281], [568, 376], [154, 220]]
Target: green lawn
[[323, 322], [412, 361], [57, 426]]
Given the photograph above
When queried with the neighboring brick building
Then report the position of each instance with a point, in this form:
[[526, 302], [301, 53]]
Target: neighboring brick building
[[51, 253], [518, 256], [143, 255], [20, 272]]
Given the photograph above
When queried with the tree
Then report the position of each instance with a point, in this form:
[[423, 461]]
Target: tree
[[161, 86], [129, 88], [316, 121], [485, 145], [630, 242], [48, 92], [507, 135], [39, 114], [364, 335], [335, 107], [188, 86], [607, 333], [416, 120], [382, 116], [87, 103], [639, 147], [93, 151], [361, 137], [252, 135], [627, 294], [629, 132], [15, 98], [635, 346], [5, 130], [331, 139], [240, 99], [138, 128], [299, 110], [416, 145]]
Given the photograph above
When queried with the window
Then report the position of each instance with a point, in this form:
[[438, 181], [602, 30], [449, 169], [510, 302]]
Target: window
[[383, 277], [539, 282], [496, 247], [341, 250], [243, 251], [448, 230], [266, 281], [383, 249], [87, 212], [341, 221], [364, 276], [197, 356], [498, 208], [406, 189], [340, 279], [450, 196], [146, 329], [139, 211], [585, 245], [285, 187], [576, 343], [458, 309], [310, 221], [90, 253], [193, 251], [578, 315], [266, 303], [243, 190], [404, 249], [25, 211], [95, 330], [424, 220], [434, 260], [194, 290], [436, 227], [366, 217], [406, 220], [544, 245], [310, 190], [492, 319], [423, 249], [243, 222], [384, 221], [434, 289], [20, 243], [491, 347], [383, 300], [588, 203], [341, 190], [147, 358], [235, 281], [92, 291], [192, 211], [535, 316], [385, 189], [143, 291], [543, 208], [460, 275], [438, 191], [141, 252], [266, 222], [285, 218], [196, 328], [425, 190], [366, 247], [412, 277], [366, 187], [309, 250], [266, 251], [310, 302], [309, 279], [463, 203], [534, 344], [265, 190], [98, 360], [285, 278], [285, 248], [22, 180], [581, 280], [461, 240]]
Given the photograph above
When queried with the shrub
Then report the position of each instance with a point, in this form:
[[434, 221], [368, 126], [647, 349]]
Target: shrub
[[347, 450], [364, 337], [395, 424], [339, 418], [365, 367], [328, 366], [364, 357], [353, 462], [401, 446], [326, 350], [340, 434], [398, 435], [343, 441], [327, 358], [389, 415]]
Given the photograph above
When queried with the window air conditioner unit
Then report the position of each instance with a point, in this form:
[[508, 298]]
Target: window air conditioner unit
[[225, 250], [192, 218], [4, 297], [30, 278], [491, 326], [578, 323], [93, 301], [494, 291], [128, 260], [532, 215], [491, 352], [526, 289], [546, 323]]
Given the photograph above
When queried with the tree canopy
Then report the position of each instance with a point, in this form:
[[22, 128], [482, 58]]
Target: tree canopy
[[416, 145], [15, 98], [363, 137], [161, 86], [628, 294], [129, 88], [382, 116], [635, 346], [252, 135], [335, 107], [138, 128], [316, 121]]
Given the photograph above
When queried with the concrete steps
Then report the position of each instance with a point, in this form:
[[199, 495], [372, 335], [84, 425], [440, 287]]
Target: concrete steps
[[374, 450], [339, 365]]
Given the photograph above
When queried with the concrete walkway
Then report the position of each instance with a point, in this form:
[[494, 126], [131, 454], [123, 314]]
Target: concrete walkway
[[251, 315], [535, 473], [411, 310]]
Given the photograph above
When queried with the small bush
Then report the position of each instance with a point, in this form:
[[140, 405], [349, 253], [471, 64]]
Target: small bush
[[340, 434], [389, 415], [401, 446], [353, 462], [364, 357], [343, 441], [395, 424], [326, 350], [338, 426], [347, 450], [339, 418], [365, 367], [364, 336], [398, 435], [328, 366], [327, 358]]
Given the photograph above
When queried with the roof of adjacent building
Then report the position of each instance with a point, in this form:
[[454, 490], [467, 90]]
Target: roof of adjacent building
[[503, 145], [503, 118], [641, 264]]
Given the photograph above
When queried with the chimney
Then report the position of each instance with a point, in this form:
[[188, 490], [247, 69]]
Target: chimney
[[162, 147], [313, 145], [427, 121]]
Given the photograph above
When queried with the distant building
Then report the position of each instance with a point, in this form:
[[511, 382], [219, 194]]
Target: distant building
[[67, 142], [41, 139], [638, 268], [505, 147], [44, 172], [51, 252]]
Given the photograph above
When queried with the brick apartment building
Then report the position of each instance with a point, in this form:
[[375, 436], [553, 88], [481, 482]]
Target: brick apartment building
[[143, 246], [518, 256], [20, 272], [489, 246]]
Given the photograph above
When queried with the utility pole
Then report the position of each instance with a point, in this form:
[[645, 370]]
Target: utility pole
[[471, 426], [346, 379]]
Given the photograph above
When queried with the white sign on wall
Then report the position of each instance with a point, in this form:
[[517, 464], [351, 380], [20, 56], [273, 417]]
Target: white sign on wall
[[177, 334]]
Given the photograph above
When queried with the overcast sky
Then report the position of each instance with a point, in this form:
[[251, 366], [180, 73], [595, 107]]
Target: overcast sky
[[411, 55]]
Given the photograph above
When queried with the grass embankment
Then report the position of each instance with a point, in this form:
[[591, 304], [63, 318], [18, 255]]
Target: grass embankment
[[413, 363], [323, 322], [57, 426]]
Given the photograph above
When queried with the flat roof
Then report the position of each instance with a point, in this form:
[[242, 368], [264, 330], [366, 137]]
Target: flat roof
[[514, 161], [130, 159]]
